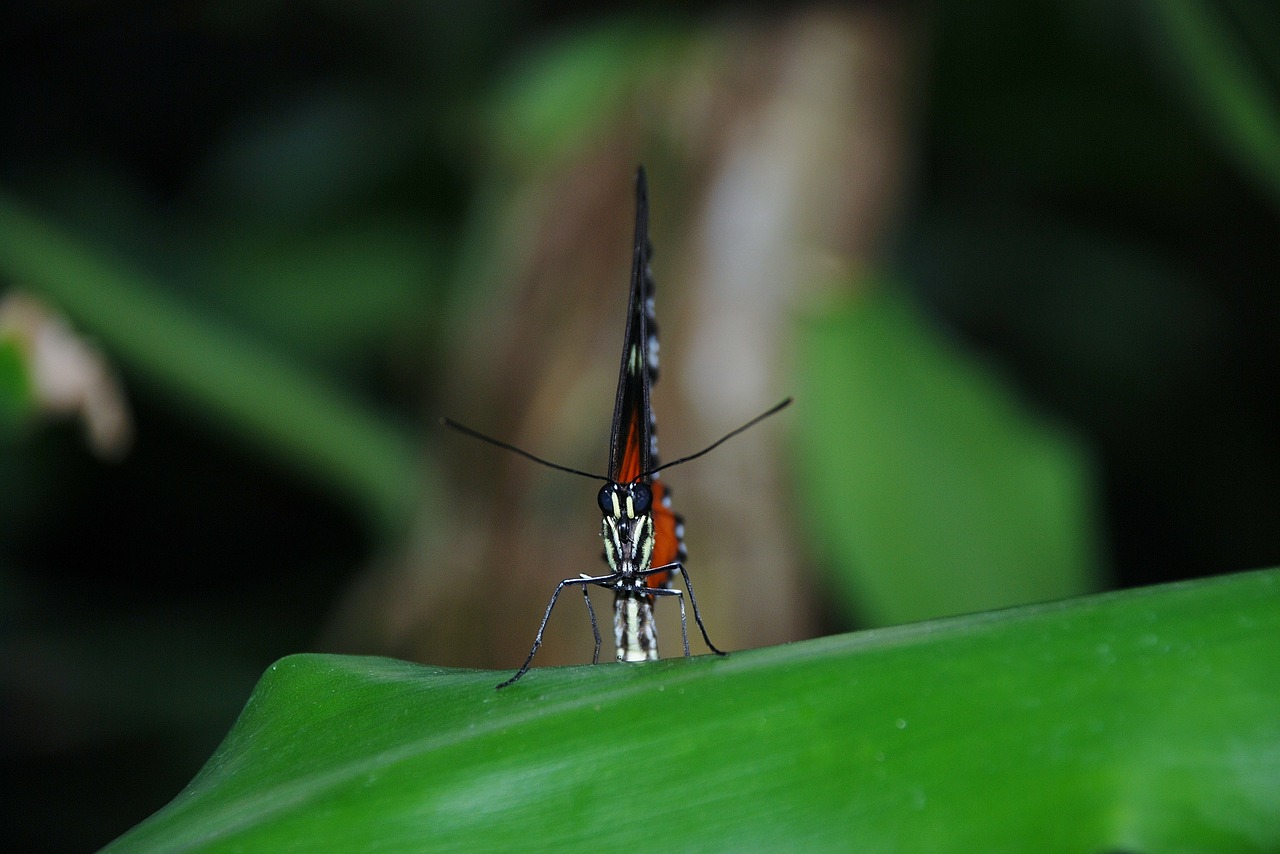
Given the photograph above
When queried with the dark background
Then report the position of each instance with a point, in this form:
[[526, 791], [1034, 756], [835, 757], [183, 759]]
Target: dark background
[[1088, 204]]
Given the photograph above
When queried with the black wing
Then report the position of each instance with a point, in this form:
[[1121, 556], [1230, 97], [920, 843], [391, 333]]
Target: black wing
[[632, 449]]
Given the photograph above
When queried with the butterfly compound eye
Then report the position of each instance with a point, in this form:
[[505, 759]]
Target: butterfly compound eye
[[642, 497], [605, 498], [628, 501]]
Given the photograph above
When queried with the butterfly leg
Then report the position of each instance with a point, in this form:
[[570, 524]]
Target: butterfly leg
[[693, 600], [684, 623], [595, 627], [697, 615], [604, 580]]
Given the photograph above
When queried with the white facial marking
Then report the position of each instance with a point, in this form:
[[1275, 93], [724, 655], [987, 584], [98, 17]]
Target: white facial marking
[[610, 549], [646, 553]]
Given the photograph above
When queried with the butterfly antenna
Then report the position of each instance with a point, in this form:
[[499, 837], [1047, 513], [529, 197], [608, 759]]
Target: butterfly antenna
[[467, 431], [753, 422]]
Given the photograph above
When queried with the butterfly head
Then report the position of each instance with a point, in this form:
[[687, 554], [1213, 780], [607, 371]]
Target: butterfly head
[[627, 526]]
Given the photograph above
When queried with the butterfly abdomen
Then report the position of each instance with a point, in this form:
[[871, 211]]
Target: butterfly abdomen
[[635, 636]]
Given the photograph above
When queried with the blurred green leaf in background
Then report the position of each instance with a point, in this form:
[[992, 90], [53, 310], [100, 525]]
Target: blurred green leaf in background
[[16, 398], [931, 492]]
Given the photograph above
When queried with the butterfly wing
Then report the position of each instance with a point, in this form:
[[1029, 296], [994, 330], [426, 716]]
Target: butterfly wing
[[631, 445], [633, 450], [668, 534]]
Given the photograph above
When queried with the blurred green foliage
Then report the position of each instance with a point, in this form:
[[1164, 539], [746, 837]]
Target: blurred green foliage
[[263, 213], [1234, 99], [931, 490], [558, 98], [215, 367], [16, 398]]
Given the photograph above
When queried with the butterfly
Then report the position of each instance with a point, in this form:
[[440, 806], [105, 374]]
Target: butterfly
[[643, 536]]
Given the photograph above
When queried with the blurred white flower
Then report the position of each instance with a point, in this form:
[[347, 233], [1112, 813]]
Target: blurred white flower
[[68, 375]]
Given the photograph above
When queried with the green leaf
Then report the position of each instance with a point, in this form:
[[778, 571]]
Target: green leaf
[[17, 401], [332, 294], [930, 490], [1237, 102], [572, 91], [1147, 720], [214, 368]]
